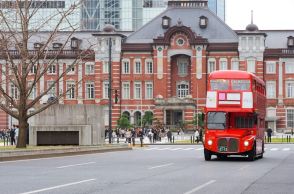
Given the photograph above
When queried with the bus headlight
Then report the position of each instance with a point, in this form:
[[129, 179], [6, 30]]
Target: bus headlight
[[209, 142], [246, 143]]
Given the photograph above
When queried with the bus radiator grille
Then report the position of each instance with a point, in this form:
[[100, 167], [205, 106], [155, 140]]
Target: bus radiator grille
[[228, 145]]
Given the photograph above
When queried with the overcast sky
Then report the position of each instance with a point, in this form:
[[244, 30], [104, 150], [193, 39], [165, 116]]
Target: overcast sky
[[268, 14]]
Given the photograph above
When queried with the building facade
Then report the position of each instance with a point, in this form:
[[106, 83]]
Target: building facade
[[163, 67]]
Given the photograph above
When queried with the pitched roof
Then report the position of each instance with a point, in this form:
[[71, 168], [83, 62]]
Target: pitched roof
[[217, 31]]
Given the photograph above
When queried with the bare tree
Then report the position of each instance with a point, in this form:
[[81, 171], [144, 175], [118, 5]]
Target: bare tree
[[24, 67]]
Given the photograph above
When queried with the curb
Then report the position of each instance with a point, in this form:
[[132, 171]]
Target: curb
[[35, 154]]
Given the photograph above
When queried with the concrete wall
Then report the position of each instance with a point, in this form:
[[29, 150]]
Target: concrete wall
[[87, 119]]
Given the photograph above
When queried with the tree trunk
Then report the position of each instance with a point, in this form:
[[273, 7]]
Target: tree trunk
[[22, 136]]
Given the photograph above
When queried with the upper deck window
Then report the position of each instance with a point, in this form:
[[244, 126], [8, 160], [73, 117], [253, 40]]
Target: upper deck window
[[240, 84], [219, 84]]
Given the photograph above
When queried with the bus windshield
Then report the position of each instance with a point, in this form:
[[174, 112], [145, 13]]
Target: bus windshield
[[216, 120], [240, 84], [219, 84]]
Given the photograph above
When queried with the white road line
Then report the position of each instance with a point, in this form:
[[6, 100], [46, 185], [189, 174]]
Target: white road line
[[286, 149], [200, 187], [72, 165], [164, 165], [274, 149], [151, 149], [174, 149], [199, 149], [188, 149], [59, 186]]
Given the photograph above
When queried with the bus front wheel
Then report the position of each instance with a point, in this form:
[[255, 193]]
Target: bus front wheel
[[252, 153], [207, 155]]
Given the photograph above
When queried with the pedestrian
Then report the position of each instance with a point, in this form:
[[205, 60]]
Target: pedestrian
[[169, 136], [178, 131], [16, 130], [12, 136], [269, 132], [196, 136], [141, 136], [150, 136], [200, 134]]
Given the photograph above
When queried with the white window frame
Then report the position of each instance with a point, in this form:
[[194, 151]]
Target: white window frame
[[90, 90], [33, 93], [14, 93], [105, 68], [52, 91], [126, 66], [137, 66], [89, 68], [33, 69], [105, 89], [126, 90], [251, 65], [72, 70], [271, 89], [183, 65], [149, 90], [51, 69], [235, 64], [149, 66], [137, 90], [289, 67], [183, 92], [271, 67], [70, 90], [223, 64], [289, 89], [211, 62]]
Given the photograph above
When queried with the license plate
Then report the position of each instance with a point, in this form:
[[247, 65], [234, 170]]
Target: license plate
[[222, 148]]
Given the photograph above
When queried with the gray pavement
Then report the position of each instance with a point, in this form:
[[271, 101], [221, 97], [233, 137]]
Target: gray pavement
[[156, 169]]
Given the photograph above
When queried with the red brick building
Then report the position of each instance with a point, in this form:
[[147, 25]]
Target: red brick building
[[163, 66]]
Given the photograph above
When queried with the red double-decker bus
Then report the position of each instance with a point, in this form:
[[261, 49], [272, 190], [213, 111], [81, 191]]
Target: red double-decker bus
[[234, 115]]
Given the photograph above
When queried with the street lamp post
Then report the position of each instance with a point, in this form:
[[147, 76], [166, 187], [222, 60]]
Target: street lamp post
[[110, 92]]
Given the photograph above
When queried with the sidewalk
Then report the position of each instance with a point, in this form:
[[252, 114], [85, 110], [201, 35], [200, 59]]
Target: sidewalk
[[57, 151]]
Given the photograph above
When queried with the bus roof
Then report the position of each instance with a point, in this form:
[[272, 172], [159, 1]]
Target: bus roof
[[234, 74]]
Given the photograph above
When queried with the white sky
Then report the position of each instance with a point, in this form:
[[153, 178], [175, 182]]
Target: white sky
[[267, 14]]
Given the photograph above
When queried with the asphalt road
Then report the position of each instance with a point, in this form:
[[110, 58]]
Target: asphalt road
[[176, 169]]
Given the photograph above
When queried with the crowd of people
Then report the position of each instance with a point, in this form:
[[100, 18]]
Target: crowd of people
[[10, 135], [154, 134]]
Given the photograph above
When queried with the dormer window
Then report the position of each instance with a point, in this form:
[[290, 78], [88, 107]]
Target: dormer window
[[290, 42], [203, 21], [38, 45], [165, 22], [57, 45], [75, 43]]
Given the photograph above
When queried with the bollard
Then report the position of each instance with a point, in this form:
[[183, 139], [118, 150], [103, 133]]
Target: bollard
[[173, 139], [117, 140], [191, 140], [133, 139], [141, 141]]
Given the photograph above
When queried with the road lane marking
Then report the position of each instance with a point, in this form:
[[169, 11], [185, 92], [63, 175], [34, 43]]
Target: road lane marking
[[188, 149], [274, 149], [174, 149], [200, 187], [58, 186], [72, 165], [151, 148], [199, 149], [286, 149], [160, 166]]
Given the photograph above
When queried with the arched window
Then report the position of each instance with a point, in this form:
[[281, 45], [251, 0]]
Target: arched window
[[127, 114], [137, 118]]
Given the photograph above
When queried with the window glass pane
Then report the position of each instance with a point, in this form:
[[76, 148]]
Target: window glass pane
[[219, 84], [240, 84]]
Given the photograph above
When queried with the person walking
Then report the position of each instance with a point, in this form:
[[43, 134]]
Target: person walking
[[169, 136], [269, 132], [12, 136], [196, 136]]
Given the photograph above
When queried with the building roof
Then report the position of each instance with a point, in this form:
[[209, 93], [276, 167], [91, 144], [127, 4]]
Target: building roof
[[217, 31], [277, 38]]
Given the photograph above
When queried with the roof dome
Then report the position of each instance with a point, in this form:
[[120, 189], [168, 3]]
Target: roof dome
[[251, 27], [108, 28]]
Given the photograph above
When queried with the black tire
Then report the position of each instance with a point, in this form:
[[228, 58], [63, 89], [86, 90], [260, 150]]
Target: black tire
[[207, 155], [252, 153]]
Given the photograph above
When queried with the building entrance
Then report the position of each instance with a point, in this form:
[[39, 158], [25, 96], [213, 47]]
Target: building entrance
[[173, 117]]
